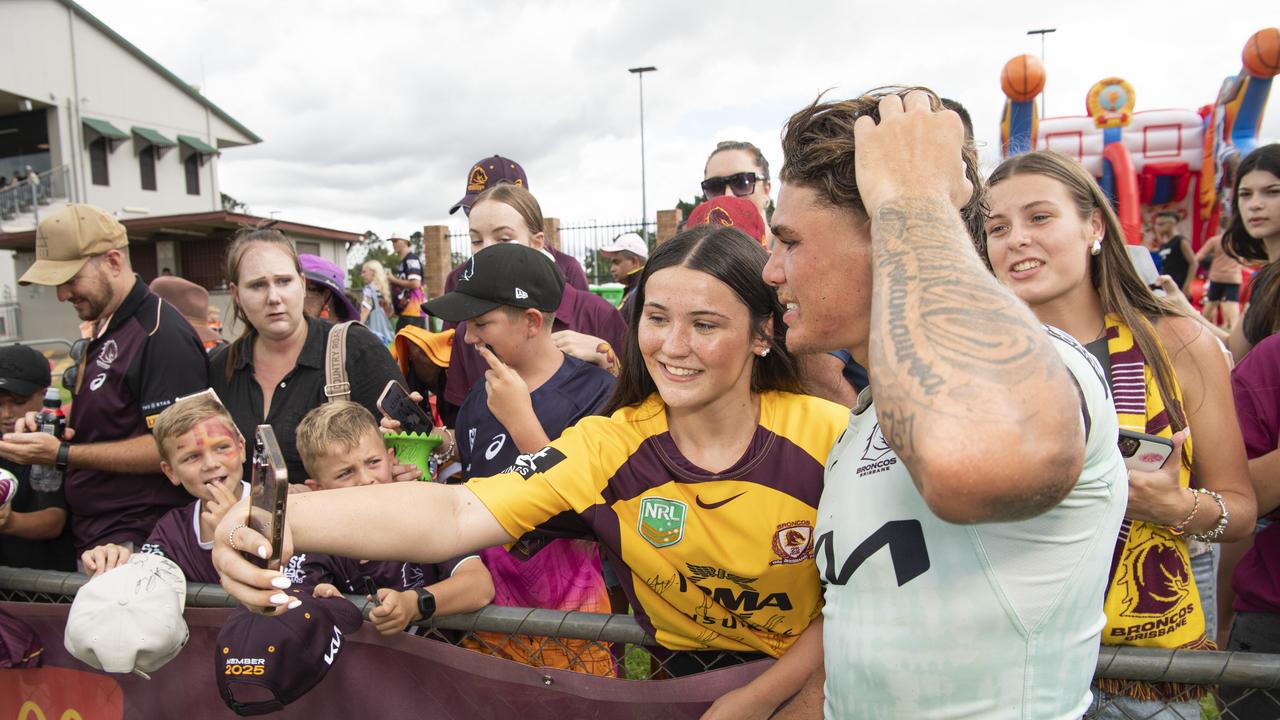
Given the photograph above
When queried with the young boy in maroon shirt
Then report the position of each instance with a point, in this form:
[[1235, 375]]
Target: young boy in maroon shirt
[[202, 452]]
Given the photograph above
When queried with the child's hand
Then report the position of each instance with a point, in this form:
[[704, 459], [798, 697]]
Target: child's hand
[[325, 590], [509, 399], [401, 472], [396, 609], [104, 558], [216, 507], [389, 425]]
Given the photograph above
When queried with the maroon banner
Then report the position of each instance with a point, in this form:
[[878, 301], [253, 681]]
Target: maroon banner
[[375, 677]]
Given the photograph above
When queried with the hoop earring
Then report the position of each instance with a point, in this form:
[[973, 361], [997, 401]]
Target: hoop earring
[[1096, 248]]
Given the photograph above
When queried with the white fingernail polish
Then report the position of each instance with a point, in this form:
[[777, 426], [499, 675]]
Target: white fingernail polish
[[295, 604], [279, 599], [263, 552], [281, 583]]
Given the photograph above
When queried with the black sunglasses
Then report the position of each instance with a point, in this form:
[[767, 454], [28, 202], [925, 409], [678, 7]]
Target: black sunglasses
[[742, 184], [72, 373]]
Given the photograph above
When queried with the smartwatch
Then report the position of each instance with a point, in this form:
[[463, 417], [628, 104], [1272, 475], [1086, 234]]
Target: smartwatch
[[426, 603], [64, 455]]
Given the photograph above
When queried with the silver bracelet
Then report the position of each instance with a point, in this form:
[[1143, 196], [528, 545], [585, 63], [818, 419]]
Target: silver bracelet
[[1221, 528], [446, 453]]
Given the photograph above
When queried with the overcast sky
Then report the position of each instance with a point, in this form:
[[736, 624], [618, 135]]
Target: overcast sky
[[372, 114]]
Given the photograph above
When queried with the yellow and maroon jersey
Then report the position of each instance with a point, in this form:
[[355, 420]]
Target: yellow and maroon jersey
[[717, 560]]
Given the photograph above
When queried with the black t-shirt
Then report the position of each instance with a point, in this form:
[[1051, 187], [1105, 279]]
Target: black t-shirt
[[369, 367], [1172, 262], [55, 554]]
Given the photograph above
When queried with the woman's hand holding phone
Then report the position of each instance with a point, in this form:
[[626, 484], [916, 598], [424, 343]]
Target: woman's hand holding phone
[[257, 588], [1155, 496]]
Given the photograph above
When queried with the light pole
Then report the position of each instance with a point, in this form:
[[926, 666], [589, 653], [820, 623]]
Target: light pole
[[1042, 32], [644, 200]]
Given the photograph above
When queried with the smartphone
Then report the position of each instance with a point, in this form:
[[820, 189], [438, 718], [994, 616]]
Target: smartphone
[[395, 404], [1144, 452], [268, 492]]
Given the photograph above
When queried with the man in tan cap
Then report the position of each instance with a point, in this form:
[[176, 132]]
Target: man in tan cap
[[141, 356]]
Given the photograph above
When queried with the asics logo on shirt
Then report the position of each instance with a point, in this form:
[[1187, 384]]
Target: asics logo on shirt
[[714, 505], [495, 446]]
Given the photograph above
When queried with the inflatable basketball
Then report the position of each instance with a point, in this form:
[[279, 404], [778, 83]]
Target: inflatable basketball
[[1022, 78], [1261, 54]]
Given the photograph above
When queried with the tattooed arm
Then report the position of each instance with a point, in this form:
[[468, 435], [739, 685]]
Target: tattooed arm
[[968, 390]]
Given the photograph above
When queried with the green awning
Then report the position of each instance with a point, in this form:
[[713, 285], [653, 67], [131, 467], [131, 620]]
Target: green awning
[[152, 137], [105, 129], [197, 144]]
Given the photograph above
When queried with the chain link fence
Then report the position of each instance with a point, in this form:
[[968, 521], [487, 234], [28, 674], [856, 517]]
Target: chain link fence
[[1218, 685]]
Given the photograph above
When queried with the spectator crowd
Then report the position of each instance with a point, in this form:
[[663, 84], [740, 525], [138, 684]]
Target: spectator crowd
[[900, 353]]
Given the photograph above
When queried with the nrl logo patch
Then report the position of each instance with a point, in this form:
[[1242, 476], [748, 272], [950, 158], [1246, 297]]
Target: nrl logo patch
[[662, 521]]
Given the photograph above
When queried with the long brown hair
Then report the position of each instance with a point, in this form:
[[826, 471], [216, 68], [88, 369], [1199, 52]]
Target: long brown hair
[[728, 255], [1119, 287], [1263, 316], [264, 232], [518, 198]]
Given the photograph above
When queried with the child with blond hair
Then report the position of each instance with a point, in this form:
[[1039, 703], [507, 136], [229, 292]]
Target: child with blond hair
[[202, 452], [341, 447]]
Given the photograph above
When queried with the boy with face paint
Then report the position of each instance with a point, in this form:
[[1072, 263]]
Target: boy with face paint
[[202, 452]]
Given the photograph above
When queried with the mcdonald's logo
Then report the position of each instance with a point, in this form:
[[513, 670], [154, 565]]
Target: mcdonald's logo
[[31, 711], [55, 693]]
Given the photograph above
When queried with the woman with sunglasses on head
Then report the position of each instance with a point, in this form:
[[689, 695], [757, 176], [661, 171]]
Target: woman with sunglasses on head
[[701, 486], [1052, 237], [1254, 237]]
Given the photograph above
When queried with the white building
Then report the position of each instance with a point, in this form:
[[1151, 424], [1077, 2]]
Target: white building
[[102, 123]]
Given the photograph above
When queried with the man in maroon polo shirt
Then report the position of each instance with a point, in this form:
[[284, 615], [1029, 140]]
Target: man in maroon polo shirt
[[142, 355]]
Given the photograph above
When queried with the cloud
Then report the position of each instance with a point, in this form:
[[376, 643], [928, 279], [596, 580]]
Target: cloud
[[372, 114]]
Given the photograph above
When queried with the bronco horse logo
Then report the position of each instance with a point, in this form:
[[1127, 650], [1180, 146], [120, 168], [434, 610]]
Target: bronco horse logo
[[1156, 578]]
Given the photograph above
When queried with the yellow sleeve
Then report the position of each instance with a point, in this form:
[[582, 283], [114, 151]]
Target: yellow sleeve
[[567, 475]]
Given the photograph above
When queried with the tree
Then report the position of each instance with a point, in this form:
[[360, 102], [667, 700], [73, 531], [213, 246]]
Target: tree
[[375, 249], [230, 204]]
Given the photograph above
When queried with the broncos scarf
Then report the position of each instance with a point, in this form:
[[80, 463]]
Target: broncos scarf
[[1151, 598]]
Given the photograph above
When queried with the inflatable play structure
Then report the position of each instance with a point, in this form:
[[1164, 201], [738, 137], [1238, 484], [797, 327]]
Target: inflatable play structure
[[1149, 160]]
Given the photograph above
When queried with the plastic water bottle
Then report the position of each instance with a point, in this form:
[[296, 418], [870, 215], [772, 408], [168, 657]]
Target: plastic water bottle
[[47, 478]]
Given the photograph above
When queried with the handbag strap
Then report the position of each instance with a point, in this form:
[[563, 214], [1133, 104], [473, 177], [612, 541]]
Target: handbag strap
[[336, 386]]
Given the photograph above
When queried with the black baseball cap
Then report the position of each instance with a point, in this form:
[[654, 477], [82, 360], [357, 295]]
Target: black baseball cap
[[23, 370], [266, 662], [502, 274]]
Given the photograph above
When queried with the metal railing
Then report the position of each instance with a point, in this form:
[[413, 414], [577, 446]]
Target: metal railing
[[26, 196], [1253, 677]]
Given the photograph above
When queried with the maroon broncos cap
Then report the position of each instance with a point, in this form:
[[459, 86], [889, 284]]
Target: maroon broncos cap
[[729, 211], [266, 662], [487, 173]]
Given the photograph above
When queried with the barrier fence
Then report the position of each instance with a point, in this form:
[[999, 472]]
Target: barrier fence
[[576, 641], [581, 239]]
